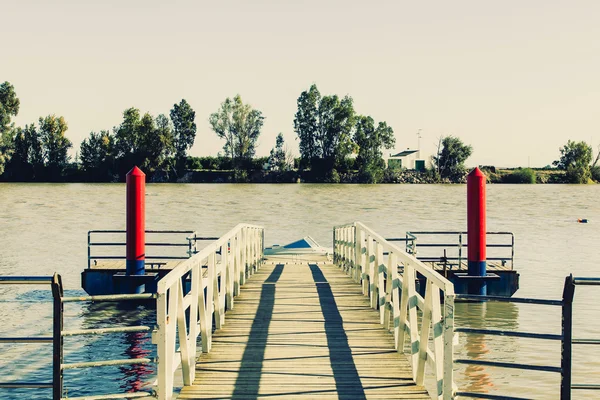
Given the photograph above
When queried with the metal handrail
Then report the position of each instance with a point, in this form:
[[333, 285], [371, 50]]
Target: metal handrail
[[500, 332], [59, 301], [192, 238], [566, 338], [58, 334], [34, 280], [412, 237], [568, 341]]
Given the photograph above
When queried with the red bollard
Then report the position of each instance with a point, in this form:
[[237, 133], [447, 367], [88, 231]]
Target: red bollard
[[136, 224], [476, 231]]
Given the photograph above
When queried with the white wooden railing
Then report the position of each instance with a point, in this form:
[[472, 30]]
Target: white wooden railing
[[375, 262], [206, 285]]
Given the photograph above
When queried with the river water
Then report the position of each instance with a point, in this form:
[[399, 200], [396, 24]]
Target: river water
[[43, 229]]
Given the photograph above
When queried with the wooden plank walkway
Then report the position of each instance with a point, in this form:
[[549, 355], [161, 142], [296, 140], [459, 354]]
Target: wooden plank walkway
[[302, 331]]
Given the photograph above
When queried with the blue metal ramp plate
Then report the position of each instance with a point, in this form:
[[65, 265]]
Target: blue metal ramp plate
[[305, 245]]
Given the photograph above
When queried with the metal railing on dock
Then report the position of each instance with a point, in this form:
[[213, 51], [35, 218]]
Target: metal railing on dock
[[54, 282], [59, 302], [566, 339], [190, 244], [58, 335], [361, 252], [502, 243]]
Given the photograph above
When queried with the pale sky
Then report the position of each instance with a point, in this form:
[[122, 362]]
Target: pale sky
[[514, 79]]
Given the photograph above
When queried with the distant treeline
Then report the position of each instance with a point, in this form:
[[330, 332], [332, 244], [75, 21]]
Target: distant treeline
[[336, 144]]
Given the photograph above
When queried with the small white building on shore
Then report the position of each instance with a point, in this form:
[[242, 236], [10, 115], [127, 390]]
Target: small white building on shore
[[408, 159]]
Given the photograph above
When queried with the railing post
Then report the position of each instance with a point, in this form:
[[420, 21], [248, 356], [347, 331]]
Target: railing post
[[367, 272], [567, 337], [372, 275], [250, 247], [414, 247], [343, 248], [357, 254], [380, 278], [460, 246], [89, 251], [57, 339], [228, 270], [512, 251], [363, 263], [256, 249], [448, 386], [242, 256], [159, 337], [348, 250]]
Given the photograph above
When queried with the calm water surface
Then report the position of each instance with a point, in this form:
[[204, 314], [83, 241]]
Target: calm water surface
[[43, 229]]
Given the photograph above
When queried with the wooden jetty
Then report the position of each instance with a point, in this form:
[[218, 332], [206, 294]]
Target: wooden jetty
[[344, 325], [302, 331]]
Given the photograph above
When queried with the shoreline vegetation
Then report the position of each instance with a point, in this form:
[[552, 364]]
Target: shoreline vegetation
[[335, 142], [72, 174]]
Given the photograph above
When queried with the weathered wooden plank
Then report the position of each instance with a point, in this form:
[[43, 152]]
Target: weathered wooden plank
[[302, 331]]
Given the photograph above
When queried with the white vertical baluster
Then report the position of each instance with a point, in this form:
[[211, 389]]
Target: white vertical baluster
[[448, 341], [438, 338], [408, 315], [387, 307], [357, 254], [184, 342], [425, 328], [372, 277], [171, 334], [364, 263], [164, 373], [229, 277], [216, 301], [396, 285], [210, 307], [380, 279], [194, 322]]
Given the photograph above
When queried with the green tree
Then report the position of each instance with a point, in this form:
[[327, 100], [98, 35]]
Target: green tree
[[575, 159], [324, 126], [278, 157], [126, 136], [450, 160], [142, 141], [9, 107], [306, 123], [370, 140], [184, 130], [156, 141], [239, 125], [55, 145], [95, 155], [27, 161]]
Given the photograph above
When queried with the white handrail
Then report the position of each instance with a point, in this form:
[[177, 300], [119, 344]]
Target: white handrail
[[205, 285], [360, 252]]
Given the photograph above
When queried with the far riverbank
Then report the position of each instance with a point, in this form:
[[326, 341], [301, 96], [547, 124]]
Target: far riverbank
[[389, 176]]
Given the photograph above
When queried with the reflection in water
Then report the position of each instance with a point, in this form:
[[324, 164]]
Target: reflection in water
[[118, 379], [490, 315], [136, 375]]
